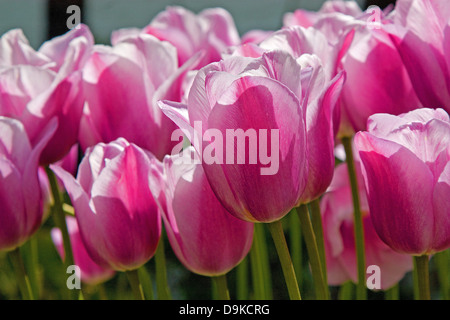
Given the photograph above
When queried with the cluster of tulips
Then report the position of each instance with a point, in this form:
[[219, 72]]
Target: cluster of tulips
[[351, 114]]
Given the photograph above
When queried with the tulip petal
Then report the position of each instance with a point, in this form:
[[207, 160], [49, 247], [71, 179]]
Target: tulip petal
[[259, 103], [401, 206]]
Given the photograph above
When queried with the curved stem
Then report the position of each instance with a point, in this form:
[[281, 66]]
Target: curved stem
[[313, 253], [276, 230], [161, 273], [361, 292], [316, 218], [21, 275], [423, 279], [221, 286], [135, 284]]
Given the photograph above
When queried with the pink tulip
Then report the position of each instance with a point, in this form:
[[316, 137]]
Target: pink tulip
[[422, 37], [118, 218], [204, 236], [305, 18], [270, 94], [338, 225], [377, 79], [406, 167], [37, 86], [211, 31], [21, 203], [90, 272], [122, 85]]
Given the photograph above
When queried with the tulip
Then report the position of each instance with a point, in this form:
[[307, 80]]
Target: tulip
[[338, 221], [117, 215], [21, 207], [204, 236], [90, 272], [37, 86], [210, 31], [405, 161], [305, 18], [422, 36], [270, 89], [122, 84]]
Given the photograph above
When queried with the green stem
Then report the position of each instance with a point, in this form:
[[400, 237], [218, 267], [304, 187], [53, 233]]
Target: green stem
[[361, 292], [258, 264], [295, 236], [346, 291], [276, 230], [320, 285], [242, 280], [135, 284], [162, 286], [59, 217], [423, 279], [221, 287], [146, 281], [31, 260], [21, 275], [443, 268], [392, 293], [316, 218]]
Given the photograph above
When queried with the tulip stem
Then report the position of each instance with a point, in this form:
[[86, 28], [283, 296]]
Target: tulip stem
[[162, 286], [318, 231], [423, 280], [136, 287], [392, 293], [221, 287], [242, 280], [21, 275], [259, 265], [361, 292], [59, 217], [442, 260], [296, 245], [276, 230], [320, 285]]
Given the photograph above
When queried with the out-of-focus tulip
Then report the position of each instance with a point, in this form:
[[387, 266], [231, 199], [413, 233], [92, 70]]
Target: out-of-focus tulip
[[406, 166], [338, 224], [211, 31], [305, 18], [265, 99], [90, 272], [37, 86], [20, 190], [204, 236], [122, 85], [117, 215], [422, 36]]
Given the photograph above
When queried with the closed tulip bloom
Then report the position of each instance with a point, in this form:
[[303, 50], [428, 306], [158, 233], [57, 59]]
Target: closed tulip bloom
[[406, 167], [90, 272], [338, 224], [21, 199], [118, 218], [422, 36], [267, 96], [204, 236], [36, 86], [122, 84]]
